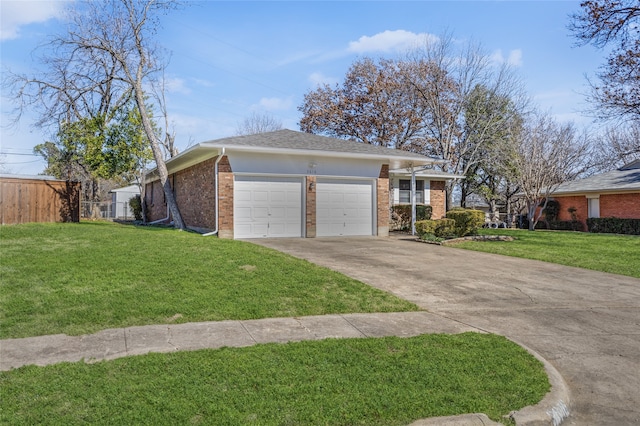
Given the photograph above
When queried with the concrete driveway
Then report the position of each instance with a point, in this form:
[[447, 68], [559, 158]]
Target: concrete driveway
[[585, 323]]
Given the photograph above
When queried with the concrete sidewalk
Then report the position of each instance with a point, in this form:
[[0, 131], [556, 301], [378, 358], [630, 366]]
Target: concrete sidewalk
[[121, 342]]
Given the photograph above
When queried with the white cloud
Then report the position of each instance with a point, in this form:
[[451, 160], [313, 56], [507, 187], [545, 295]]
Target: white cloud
[[177, 85], [271, 104], [514, 59], [16, 14], [388, 41], [319, 79]]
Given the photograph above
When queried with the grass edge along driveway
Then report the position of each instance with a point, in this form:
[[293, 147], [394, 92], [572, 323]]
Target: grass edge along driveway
[[616, 254], [81, 278]]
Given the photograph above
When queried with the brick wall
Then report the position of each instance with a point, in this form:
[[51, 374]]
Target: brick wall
[[577, 201], [194, 190], [310, 224], [225, 197], [438, 199], [624, 206], [383, 201], [155, 201]]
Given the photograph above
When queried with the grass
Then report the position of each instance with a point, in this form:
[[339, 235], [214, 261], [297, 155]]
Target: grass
[[81, 278], [385, 381], [616, 254]]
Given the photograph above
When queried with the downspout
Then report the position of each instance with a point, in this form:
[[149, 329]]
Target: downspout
[[163, 219], [215, 172]]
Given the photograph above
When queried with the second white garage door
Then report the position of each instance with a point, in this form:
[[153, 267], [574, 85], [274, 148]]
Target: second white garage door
[[344, 207], [267, 207]]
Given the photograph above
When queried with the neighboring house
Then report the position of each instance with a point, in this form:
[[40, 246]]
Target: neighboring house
[[610, 194], [120, 197], [25, 199], [430, 188], [282, 184]]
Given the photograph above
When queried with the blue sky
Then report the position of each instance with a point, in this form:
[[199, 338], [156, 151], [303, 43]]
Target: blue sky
[[229, 59]]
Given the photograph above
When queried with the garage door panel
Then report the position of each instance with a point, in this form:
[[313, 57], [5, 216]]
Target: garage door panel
[[273, 208], [344, 207]]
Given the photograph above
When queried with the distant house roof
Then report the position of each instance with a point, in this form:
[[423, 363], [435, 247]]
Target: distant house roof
[[290, 142], [624, 179], [130, 188]]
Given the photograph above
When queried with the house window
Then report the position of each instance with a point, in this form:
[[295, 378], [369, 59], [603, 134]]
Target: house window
[[594, 207], [405, 191]]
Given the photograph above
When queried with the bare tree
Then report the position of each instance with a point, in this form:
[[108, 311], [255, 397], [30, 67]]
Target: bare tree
[[613, 23], [459, 122], [258, 123], [547, 154], [106, 59], [617, 146]]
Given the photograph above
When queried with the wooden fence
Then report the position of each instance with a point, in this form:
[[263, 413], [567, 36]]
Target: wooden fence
[[38, 199]]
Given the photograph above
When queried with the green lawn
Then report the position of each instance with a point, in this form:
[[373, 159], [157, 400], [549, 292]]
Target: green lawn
[[618, 254], [81, 278], [386, 381]]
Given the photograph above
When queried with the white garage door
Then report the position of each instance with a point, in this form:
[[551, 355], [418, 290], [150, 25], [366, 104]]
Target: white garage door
[[344, 207], [267, 207]]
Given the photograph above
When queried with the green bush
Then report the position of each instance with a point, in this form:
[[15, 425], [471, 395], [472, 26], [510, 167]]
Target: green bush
[[467, 221], [426, 227], [441, 228], [445, 228], [565, 225], [403, 214], [135, 203], [614, 225]]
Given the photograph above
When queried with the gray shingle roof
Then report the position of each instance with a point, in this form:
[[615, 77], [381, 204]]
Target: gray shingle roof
[[293, 140], [626, 178]]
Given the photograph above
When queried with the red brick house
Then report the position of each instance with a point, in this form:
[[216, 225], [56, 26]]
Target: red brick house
[[611, 194], [285, 184]]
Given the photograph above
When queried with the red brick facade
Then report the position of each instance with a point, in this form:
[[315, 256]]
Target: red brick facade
[[310, 224], [194, 188], [624, 206], [383, 201], [437, 197]]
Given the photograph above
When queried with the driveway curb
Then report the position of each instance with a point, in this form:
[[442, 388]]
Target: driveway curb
[[554, 407]]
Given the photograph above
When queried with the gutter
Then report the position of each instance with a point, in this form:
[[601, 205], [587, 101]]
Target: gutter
[[217, 198]]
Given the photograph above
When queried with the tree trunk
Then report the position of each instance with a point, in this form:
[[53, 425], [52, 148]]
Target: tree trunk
[[158, 157]]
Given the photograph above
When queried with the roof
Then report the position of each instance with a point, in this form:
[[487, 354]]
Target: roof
[[130, 188], [290, 142], [624, 179]]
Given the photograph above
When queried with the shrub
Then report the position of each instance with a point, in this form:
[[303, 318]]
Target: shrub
[[445, 228], [441, 228], [402, 214], [467, 221], [566, 225], [426, 227], [135, 203], [614, 225]]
